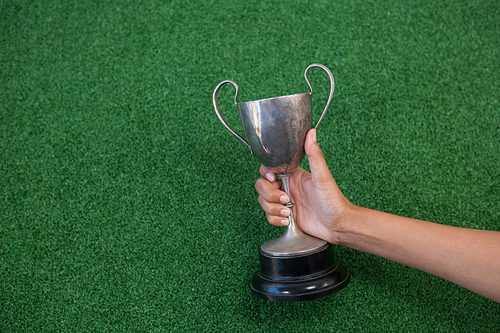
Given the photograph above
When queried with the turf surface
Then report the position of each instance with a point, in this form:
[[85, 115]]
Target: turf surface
[[126, 206]]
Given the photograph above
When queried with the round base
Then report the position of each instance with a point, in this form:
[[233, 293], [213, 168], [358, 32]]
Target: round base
[[299, 278]]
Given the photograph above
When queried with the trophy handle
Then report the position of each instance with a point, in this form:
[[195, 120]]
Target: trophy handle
[[332, 88], [221, 118]]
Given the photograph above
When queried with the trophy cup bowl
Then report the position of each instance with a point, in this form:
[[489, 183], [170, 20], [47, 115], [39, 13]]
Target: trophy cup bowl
[[296, 266]]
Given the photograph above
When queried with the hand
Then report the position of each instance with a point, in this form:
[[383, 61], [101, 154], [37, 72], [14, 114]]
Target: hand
[[459, 255], [321, 209]]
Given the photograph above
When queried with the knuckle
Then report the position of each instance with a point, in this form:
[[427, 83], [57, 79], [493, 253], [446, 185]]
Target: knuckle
[[258, 184], [271, 218]]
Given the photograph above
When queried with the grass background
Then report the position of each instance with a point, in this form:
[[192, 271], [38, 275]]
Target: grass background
[[126, 206]]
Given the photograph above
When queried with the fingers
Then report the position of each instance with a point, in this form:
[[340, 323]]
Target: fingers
[[270, 192], [267, 173], [317, 163], [277, 220], [276, 213], [271, 198]]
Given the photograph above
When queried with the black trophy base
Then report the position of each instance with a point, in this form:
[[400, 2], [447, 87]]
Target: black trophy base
[[299, 278]]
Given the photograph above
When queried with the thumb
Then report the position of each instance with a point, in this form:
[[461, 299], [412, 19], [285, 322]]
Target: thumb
[[319, 170]]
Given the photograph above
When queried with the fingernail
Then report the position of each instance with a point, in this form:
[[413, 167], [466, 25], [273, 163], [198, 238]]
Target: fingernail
[[270, 176], [314, 136], [285, 212], [284, 222], [284, 199]]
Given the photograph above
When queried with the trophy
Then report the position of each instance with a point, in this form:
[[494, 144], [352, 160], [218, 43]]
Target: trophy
[[296, 266]]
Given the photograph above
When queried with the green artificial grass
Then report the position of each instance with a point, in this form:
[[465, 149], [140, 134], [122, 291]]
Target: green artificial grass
[[126, 206]]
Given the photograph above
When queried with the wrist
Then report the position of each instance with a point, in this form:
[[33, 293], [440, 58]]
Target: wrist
[[343, 225]]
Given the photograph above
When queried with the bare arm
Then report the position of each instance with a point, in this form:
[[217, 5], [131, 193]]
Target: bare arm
[[467, 257]]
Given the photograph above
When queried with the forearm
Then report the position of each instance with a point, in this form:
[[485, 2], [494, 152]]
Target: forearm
[[467, 257]]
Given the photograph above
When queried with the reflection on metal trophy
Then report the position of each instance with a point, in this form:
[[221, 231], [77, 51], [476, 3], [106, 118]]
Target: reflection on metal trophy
[[296, 266]]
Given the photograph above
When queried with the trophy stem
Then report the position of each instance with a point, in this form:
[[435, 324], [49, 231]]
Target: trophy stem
[[292, 227], [294, 241]]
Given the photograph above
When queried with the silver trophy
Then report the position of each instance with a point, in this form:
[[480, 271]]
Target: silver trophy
[[296, 266]]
